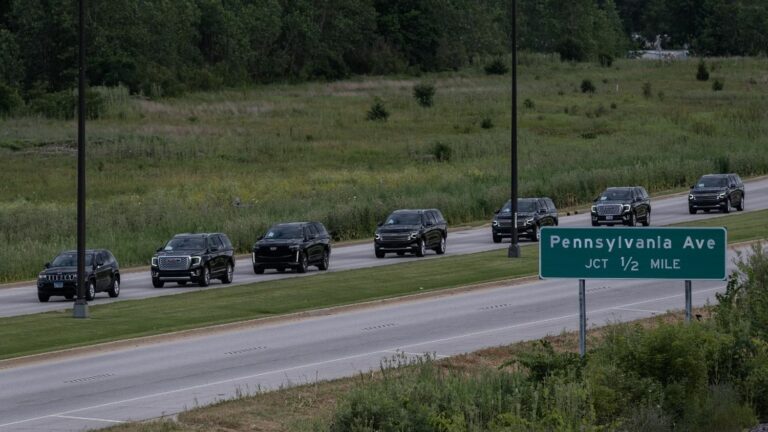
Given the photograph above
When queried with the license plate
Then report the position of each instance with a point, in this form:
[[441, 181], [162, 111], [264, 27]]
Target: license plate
[[609, 218], [58, 284]]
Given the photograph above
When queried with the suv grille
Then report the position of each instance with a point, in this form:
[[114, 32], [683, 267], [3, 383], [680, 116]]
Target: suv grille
[[395, 237], [62, 277], [609, 209], [173, 262]]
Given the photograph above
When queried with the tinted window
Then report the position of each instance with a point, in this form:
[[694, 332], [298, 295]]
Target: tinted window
[[225, 240], [550, 204], [185, 243], [431, 217], [526, 205], [616, 195], [439, 216], [404, 219], [312, 230], [706, 182], [285, 232], [69, 259], [321, 229], [215, 242]]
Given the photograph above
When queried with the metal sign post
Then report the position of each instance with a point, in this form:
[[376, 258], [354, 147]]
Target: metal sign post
[[582, 317], [688, 301]]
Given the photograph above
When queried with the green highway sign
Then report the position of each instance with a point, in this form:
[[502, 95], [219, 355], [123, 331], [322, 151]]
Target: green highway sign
[[633, 253]]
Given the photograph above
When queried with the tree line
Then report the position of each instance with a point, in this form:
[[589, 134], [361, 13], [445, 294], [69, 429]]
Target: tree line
[[165, 47]]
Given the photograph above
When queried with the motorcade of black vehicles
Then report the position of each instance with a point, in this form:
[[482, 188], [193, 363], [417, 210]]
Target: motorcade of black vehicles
[[532, 214], [622, 206], [292, 245], [411, 231], [59, 278], [717, 192], [195, 258]]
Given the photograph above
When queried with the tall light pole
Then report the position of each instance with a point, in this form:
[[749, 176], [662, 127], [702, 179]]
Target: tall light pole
[[81, 305], [514, 247]]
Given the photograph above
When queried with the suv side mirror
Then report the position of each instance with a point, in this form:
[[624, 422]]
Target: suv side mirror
[[380, 224], [160, 249], [542, 211], [213, 249], [732, 185], [497, 211], [429, 223], [47, 265], [691, 186]]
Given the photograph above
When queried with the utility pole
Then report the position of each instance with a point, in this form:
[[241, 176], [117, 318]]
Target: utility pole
[[514, 247], [81, 304]]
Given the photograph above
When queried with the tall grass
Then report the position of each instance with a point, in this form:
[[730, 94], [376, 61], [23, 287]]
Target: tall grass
[[288, 152]]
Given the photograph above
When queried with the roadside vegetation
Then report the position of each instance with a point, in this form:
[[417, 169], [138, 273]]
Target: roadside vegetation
[[239, 160], [51, 331], [657, 374]]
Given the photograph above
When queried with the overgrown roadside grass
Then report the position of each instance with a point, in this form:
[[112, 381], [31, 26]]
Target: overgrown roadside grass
[[31, 334]]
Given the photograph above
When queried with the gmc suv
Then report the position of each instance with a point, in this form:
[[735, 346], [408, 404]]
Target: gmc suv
[[194, 258], [102, 273], [411, 231], [532, 214], [716, 192], [622, 205], [295, 245]]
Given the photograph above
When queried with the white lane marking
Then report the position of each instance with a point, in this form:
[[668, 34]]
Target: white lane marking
[[89, 418], [638, 310], [400, 348]]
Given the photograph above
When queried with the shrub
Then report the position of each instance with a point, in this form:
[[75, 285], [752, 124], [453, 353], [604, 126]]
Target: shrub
[[496, 67], [529, 104], [606, 60], [702, 74], [441, 152], [587, 86], [717, 85], [571, 50], [486, 123], [377, 112], [647, 90], [10, 100], [423, 93]]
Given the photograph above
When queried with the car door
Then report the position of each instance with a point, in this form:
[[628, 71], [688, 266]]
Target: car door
[[103, 271], [433, 229], [314, 246], [545, 219], [216, 249], [638, 204]]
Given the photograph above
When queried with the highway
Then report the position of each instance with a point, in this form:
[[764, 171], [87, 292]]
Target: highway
[[141, 381], [23, 300]]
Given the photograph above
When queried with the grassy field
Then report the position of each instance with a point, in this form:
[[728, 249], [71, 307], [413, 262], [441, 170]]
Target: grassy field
[[31, 334], [287, 152]]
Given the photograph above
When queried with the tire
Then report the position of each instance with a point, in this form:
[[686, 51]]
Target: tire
[[496, 238], [706, 210], [324, 262], [727, 208], [536, 234], [441, 249], [421, 249], [90, 291], [205, 277], [280, 269], [379, 254], [595, 223], [647, 220], [302, 267], [258, 269], [228, 274], [401, 253], [114, 288], [69, 296], [43, 298], [632, 220], [157, 283], [182, 283], [691, 210], [740, 207]]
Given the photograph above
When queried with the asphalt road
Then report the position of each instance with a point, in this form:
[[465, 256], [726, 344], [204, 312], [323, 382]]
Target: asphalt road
[[23, 300], [95, 390]]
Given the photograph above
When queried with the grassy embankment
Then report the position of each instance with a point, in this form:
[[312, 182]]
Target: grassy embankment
[[157, 167], [52, 331]]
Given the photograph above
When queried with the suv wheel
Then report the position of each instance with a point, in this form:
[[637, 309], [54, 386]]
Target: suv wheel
[[258, 269], [421, 248], [324, 263], [441, 249], [632, 220], [90, 291], [727, 207], [228, 274], [302, 267], [536, 234], [157, 283], [114, 288], [379, 253], [740, 207], [43, 297], [205, 277], [691, 210], [496, 238], [647, 220]]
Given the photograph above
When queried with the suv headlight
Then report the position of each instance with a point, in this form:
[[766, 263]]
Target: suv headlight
[[626, 207], [195, 261], [594, 209], [377, 236], [154, 261], [413, 236], [495, 223], [42, 276], [691, 197], [721, 195], [294, 247], [529, 221]]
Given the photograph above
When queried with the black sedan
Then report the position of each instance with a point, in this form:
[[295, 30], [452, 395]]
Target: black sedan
[[59, 278]]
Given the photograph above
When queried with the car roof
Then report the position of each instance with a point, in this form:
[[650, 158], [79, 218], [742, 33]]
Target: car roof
[[87, 251], [196, 234]]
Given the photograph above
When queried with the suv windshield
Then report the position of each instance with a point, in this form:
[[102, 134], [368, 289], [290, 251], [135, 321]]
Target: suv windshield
[[70, 260], [403, 219], [523, 206], [285, 232], [707, 182], [186, 243], [616, 195]]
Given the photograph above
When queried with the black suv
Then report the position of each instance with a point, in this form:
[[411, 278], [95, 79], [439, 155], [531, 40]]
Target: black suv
[[102, 273], [412, 231], [194, 258], [718, 192], [532, 214], [295, 245], [622, 205]]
